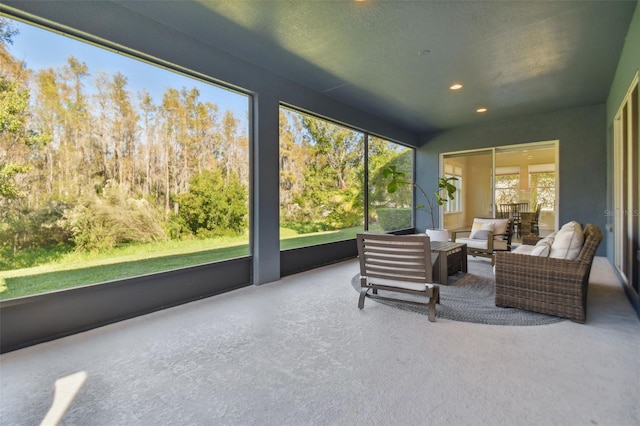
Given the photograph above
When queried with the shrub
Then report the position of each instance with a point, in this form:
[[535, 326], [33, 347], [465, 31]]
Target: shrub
[[394, 219], [306, 227], [32, 229], [102, 221], [215, 205]]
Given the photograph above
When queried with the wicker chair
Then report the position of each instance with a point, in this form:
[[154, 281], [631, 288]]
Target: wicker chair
[[547, 285], [397, 263]]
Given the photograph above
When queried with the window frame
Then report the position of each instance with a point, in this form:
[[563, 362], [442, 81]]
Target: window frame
[[456, 205]]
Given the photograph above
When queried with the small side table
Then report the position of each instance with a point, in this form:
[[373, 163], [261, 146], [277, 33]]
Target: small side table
[[452, 257]]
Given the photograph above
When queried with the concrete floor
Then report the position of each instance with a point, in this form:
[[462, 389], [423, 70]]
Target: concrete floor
[[298, 351]]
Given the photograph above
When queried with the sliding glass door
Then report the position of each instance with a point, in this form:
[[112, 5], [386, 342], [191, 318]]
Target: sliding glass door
[[626, 212], [526, 179], [518, 181], [475, 197]]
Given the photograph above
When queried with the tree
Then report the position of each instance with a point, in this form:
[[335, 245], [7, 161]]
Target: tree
[[170, 136], [123, 131], [148, 145], [78, 123], [77, 139], [7, 31], [214, 206], [70, 163], [333, 184], [294, 157], [383, 153], [17, 138]]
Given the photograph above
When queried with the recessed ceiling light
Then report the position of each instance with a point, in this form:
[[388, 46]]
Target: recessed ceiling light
[[456, 86], [481, 110]]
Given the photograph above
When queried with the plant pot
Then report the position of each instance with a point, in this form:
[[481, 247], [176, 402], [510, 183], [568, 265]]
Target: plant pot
[[438, 234]]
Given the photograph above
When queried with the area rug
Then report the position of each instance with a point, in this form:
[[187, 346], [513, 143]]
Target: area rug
[[469, 297]]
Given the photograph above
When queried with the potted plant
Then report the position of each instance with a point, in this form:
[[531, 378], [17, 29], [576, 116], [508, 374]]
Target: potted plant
[[445, 192]]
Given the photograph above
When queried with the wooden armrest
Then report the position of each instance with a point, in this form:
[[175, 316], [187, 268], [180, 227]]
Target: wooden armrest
[[454, 234]]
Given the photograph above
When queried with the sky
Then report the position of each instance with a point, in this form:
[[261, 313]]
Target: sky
[[43, 49]]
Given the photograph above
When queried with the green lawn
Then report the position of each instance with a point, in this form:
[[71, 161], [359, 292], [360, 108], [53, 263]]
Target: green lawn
[[78, 269]]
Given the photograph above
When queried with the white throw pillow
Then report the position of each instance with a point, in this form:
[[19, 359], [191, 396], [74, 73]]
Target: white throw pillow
[[500, 228], [478, 228], [483, 234], [549, 238], [568, 241]]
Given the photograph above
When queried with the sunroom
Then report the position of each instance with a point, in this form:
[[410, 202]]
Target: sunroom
[[378, 83]]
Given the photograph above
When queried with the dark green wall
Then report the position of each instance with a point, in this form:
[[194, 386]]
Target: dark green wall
[[583, 168], [628, 65]]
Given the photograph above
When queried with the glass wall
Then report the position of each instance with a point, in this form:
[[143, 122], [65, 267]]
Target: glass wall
[[322, 182], [111, 167], [389, 212]]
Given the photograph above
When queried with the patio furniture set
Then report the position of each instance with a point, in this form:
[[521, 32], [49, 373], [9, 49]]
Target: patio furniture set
[[548, 275]]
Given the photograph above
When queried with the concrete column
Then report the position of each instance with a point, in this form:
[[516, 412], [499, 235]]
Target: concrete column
[[266, 206]]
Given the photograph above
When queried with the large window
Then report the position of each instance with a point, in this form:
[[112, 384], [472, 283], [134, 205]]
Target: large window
[[542, 183], [507, 185], [455, 205], [322, 181], [111, 167], [389, 212]]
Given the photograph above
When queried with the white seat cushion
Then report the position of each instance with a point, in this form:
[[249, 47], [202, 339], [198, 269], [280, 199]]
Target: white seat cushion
[[542, 249], [472, 243], [523, 249], [482, 244]]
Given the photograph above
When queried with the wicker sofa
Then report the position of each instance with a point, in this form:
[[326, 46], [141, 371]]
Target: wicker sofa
[[547, 285]]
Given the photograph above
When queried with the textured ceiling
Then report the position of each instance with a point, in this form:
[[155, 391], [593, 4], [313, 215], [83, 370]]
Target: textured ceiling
[[397, 59]]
